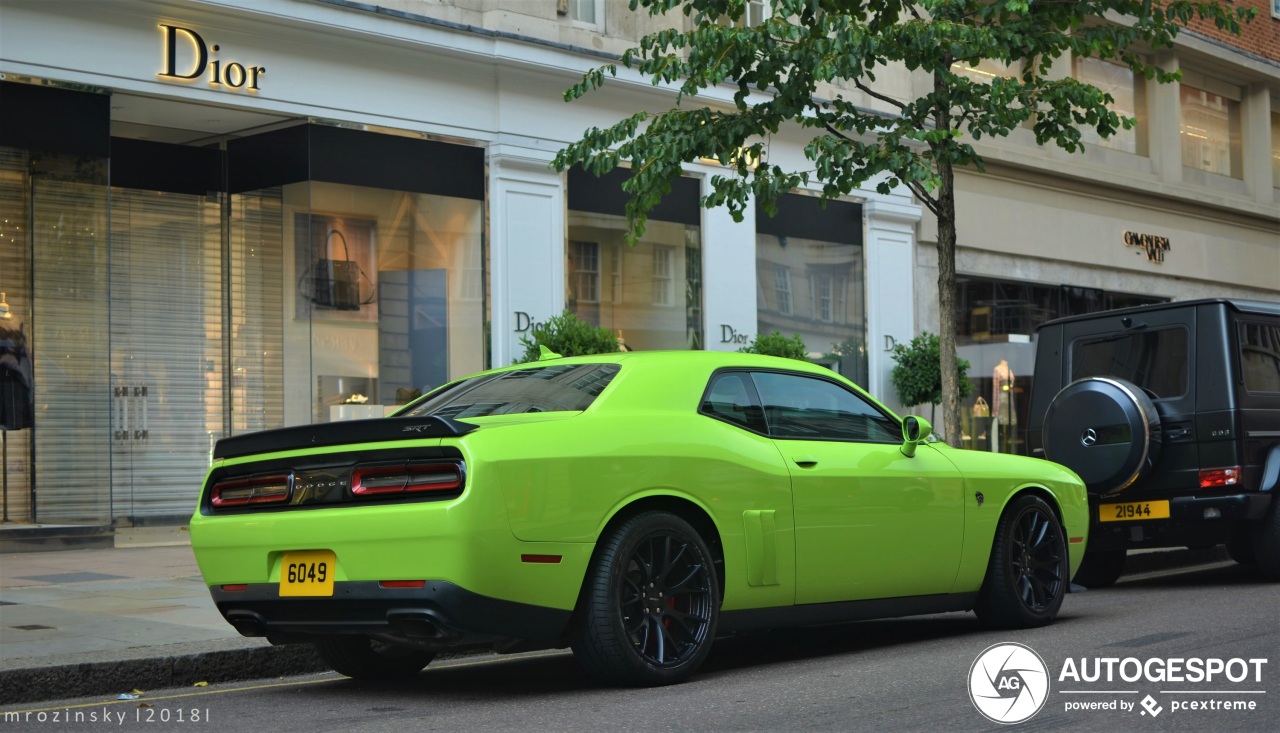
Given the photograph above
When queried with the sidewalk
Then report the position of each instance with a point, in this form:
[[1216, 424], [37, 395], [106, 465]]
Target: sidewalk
[[95, 622], [77, 623]]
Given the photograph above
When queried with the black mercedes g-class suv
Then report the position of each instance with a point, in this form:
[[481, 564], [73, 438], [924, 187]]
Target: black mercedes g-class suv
[[1171, 415]]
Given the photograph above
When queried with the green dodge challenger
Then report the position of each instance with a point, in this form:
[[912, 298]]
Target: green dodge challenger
[[633, 506]]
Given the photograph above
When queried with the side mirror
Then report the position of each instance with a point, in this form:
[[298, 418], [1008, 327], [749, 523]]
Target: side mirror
[[915, 430]]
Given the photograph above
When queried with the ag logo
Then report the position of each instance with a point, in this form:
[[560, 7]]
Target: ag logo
[[1008, 683]]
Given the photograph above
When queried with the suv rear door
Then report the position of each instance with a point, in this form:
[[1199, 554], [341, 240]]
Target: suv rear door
[[1153, 351]]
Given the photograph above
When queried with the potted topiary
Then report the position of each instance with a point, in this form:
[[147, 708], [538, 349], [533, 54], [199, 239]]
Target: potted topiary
[[775, 344], [917, 377]]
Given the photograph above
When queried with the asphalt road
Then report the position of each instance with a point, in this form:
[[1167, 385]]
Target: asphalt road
[[903, 674]]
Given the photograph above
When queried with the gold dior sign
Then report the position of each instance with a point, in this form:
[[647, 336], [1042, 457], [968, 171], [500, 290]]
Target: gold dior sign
[[229, 75]]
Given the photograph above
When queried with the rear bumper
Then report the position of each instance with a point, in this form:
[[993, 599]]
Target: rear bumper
[[440, 613], [1187, 525]]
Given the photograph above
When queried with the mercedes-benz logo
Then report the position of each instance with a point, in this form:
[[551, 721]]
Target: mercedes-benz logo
[[1089, 437]]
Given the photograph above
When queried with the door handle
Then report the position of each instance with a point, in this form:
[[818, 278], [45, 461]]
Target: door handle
[[805, 461]]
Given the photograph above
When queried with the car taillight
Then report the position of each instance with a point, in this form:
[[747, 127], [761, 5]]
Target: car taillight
[[252, 490], [1215, 477], [406, 479]]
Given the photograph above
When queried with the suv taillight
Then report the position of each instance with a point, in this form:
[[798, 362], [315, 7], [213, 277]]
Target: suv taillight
[[1213, 478], [252, 490], [406, 479]]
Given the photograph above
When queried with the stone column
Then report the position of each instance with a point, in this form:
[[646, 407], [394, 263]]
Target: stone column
[[891, 294], [526, 245]]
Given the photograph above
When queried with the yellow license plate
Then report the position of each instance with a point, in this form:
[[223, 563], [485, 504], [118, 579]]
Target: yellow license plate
[[1133, 511], [308, 573]]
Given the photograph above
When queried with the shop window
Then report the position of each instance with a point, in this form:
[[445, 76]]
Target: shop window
[[1129, 94], [654, 288], [810, 279], [1210, 131], [995, 328]]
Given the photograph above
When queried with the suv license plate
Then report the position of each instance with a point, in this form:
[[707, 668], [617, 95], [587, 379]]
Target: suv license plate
[[1132, 511], [308, 573]]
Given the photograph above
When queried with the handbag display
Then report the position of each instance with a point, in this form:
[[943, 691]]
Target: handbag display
[[337, 282], [981, 408]]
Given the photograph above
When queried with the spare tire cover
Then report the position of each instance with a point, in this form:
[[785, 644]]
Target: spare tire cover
[[1105, 429]]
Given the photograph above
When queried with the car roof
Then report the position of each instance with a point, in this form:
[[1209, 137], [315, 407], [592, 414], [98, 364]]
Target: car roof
[[717, 359], [1256, 307]]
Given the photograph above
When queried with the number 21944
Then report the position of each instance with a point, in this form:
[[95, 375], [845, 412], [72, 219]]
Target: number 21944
[[1133, 511]]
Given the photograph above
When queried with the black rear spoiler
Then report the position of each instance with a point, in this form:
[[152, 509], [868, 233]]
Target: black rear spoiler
[[340, 433]]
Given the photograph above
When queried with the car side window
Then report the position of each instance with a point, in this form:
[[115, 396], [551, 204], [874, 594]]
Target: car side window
[[1260, 356], [809, 408], [731, 397]]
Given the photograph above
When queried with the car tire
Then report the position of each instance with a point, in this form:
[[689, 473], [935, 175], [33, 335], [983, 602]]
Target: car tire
[[365, 658], [649, 605], [1100, 568], [1027, 574], [1266, 543], [1106, 429]]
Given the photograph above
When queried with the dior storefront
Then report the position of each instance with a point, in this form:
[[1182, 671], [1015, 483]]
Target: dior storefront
[[220, 219]]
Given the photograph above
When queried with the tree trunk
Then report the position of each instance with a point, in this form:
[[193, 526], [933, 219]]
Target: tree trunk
[[947, 279]]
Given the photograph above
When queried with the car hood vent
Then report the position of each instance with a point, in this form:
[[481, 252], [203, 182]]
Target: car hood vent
[[340, 433]]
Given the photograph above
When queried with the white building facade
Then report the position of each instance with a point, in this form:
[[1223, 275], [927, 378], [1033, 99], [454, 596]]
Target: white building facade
[[221, 216]]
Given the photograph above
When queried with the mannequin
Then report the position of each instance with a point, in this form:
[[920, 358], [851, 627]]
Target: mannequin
[[15, 371], [1002, 407], [15, 388]]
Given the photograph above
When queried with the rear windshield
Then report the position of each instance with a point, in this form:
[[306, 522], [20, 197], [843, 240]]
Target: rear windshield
[[537, 389], [1154, 360]]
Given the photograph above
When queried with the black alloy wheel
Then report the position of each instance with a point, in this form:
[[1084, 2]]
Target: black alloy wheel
[[1027, 575], [650, 603], [1037, 559]]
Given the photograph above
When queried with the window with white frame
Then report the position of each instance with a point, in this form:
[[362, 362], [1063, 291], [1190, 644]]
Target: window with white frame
[[584, 271], [1129, 95], [663, 257], [782, 289], [587, 12], [1275, 8], [1210, 130], [822, 286]]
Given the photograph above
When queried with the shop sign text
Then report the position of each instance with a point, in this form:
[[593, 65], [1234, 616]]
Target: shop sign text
[[1154, 246], [231, 75], [730, 335]]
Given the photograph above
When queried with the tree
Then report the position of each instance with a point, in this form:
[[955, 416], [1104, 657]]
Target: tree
[[567, 335], [775, 344], [917, 377], [783, 70]]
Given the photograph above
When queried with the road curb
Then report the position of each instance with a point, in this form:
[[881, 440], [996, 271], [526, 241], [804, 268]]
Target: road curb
[[182, 670]]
